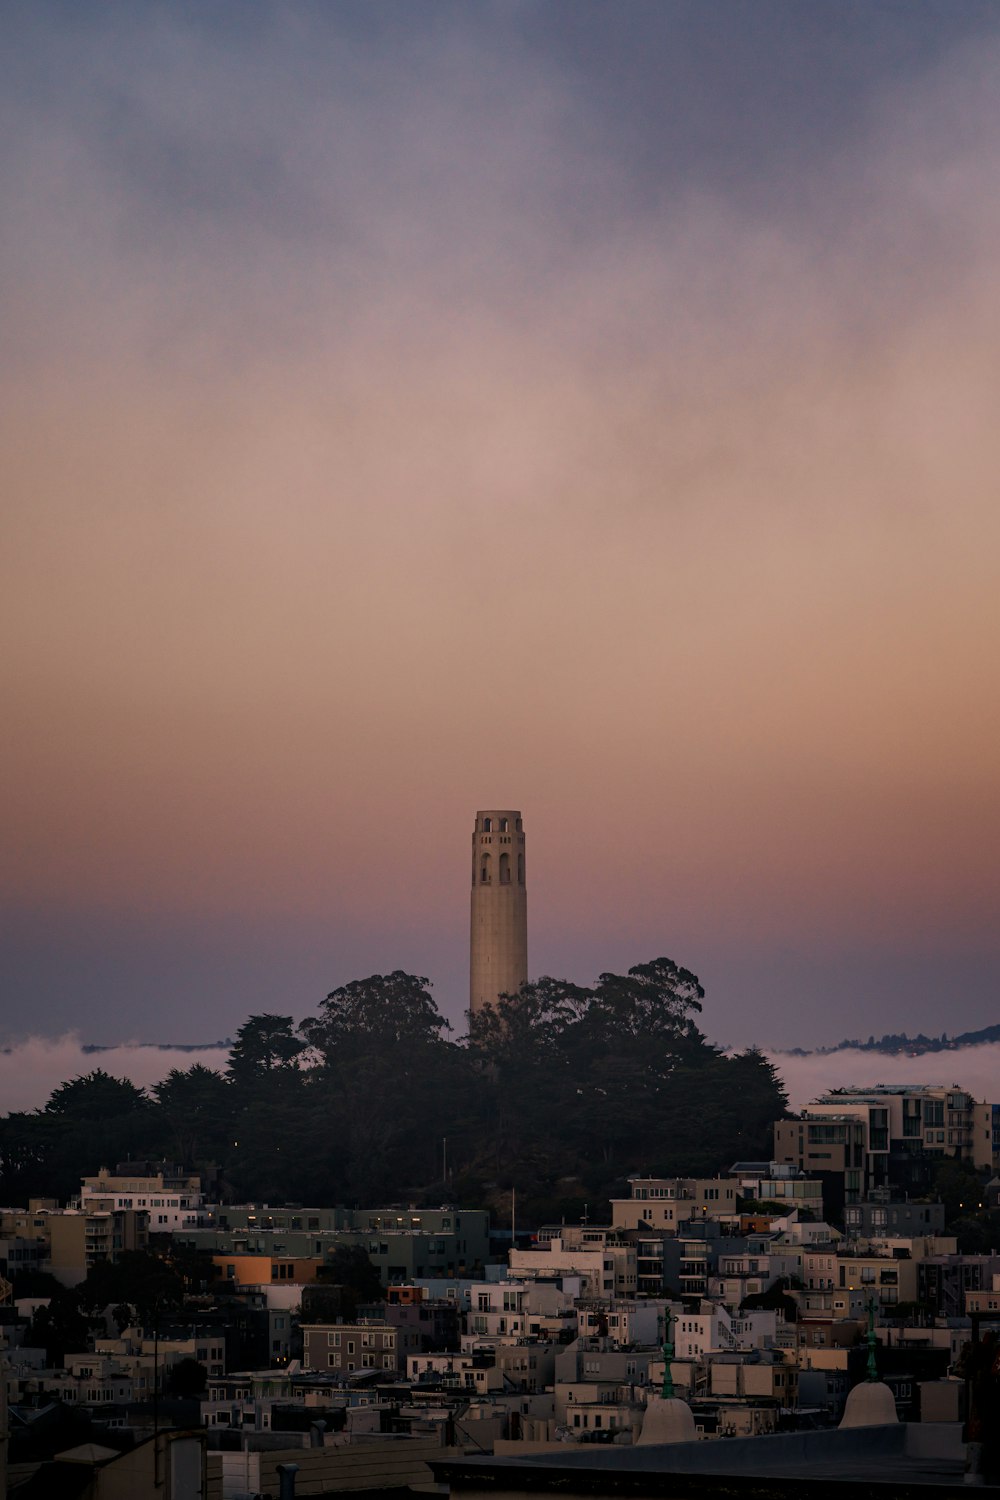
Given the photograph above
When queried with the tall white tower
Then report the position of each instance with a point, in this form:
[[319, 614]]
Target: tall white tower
[[499, 946]]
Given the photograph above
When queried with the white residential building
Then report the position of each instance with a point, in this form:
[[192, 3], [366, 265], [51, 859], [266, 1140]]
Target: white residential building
[[718, 1331], [173, 1201], [513, 1310], [626, 1323], [609, 1271]]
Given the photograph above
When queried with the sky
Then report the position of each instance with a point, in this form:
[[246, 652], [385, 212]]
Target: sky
[[581, 408]]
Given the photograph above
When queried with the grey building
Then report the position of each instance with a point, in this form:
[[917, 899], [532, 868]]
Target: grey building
[[876, 1219]]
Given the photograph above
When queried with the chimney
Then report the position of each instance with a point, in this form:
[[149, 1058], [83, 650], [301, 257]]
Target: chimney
[[286, 1477]]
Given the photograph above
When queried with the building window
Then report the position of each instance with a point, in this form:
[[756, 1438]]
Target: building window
[[504, 825], [520, 869], [484, 873], [505, 869], [487, 825]]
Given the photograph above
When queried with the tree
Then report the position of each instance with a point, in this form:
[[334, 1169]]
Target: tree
[[96, 1095], [197, 1106], [385, 1010], [59, 1327], [91, 1121], [959, 1187], [614, 1079], [775, 1299], [653, 1000], [635, 1052], [562, 1091], [536, 1021], [977, 1233], [28, 1150], [264, 1043], [191, 1264], [386, 1087], [350, 1268], [187, 1378], [31, 1283], [753, 1080], [523, 1048], [138, 1280]]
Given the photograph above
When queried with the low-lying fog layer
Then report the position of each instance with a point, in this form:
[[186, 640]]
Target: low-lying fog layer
[[30, 1070]]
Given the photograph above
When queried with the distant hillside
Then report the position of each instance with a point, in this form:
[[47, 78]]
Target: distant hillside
[[898, 1044], [161, 1046]]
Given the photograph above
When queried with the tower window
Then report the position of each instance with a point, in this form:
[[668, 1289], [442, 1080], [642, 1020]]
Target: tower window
[[505, 869], [504, 825], [484, 872], [487, 825], [518, 825], [520, 869]]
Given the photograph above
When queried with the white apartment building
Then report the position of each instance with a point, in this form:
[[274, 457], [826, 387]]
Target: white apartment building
[[719, 1331], [603, 1415], [626, 1323], [467, 1371], [609, 1271], [173, 1201], [513, 1310]]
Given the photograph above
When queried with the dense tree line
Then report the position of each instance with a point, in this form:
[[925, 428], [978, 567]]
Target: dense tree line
[[560, 1091]]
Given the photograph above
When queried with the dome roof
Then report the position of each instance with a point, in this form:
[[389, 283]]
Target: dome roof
[[668, 1419], [870, 1404]]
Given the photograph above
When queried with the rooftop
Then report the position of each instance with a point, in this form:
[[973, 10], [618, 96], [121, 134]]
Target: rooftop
[[905, 1462]]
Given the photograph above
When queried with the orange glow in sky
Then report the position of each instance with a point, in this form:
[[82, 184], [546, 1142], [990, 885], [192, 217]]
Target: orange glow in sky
[[377, 449]]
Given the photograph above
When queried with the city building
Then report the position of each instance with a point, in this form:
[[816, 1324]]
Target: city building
[[397, 1255], [946, 1283], [462, 1233], [78, 1240], [608, 1271], [667, 1203], [879, 1216], [172, 1198], [887, 1135], [371, 1344], [779, 1183], [498, 954]]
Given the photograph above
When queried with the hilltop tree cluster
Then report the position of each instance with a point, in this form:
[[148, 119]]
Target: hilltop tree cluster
[[560, 1090]]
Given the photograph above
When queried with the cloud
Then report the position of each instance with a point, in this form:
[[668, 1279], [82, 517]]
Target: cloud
[[383, 443], [30, 1070], [974, 1069]]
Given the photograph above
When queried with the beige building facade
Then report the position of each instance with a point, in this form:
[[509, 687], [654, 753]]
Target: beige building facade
[[666, 1203], [498, 950], [867, 1135]]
